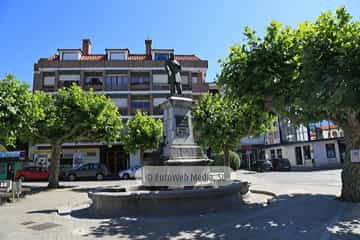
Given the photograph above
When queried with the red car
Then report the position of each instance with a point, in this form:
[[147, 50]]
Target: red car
[[32, 173]]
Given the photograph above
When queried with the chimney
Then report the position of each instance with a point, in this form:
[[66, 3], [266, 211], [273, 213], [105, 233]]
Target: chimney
[[148, 49], [86, 46]]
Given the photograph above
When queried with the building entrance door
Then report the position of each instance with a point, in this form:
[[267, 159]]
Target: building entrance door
[[116, 161]]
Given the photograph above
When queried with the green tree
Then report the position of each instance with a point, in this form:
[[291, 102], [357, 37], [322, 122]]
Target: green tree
[[70, 115], [14, 107], [142, 133], [220, 123], [234, 160], [308, 73]]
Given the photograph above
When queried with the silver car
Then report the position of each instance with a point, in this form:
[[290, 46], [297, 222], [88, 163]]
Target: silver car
[[89, 170], [129, 173]]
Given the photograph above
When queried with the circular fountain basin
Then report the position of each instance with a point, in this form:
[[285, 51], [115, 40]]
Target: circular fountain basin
[[138, 202]]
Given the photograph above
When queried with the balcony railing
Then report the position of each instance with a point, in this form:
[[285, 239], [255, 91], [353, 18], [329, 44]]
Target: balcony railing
[[123, 111], [95, 87], [139, 87], [160, 87], [62, 84], [48, 88], [158, 111], [144, 110]]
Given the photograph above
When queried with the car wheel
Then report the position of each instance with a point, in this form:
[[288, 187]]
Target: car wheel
[[99, 177], [72, 177], [126, 176], [22, 178]]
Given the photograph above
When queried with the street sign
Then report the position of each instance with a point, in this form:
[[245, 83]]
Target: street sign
[[355, 155]]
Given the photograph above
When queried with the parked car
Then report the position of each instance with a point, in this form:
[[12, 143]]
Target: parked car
[[281, 164], [32, 174], [129, 173], [262, 166], [88, 170]]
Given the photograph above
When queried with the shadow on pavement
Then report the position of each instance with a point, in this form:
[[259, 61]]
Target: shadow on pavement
[[46, 211], [298, 216]]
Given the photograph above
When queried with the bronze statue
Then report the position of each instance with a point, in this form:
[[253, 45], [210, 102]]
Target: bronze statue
[[173, 69]]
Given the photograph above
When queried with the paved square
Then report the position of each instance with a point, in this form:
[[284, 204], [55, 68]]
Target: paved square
[[305, 208]]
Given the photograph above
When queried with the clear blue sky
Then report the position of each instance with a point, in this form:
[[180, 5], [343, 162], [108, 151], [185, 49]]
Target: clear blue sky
[[34, 29]]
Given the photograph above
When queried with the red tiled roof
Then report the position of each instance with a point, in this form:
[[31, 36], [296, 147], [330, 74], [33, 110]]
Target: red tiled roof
[[93, 57], [186, 57], [135, 57], [54, 57]]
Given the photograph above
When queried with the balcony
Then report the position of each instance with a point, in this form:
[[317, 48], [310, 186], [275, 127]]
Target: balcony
[[200, 87], [48, 88], [117, 83], [62, 84], [96, 83], [160, 87], [123, 111], [144, 110], [158, 111], [140, 81]]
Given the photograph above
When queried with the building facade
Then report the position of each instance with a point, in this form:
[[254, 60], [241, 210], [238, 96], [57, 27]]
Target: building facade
[[315, 145], [133, 81]]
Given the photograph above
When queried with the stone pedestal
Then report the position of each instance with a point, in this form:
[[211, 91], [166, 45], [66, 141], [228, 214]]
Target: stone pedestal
[[180, 147]]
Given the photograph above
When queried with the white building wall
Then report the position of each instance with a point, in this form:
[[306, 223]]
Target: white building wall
[[320, 155], [135, 159], [288, 152]]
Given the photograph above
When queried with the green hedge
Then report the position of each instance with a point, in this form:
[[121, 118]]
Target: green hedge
[[235, 161]]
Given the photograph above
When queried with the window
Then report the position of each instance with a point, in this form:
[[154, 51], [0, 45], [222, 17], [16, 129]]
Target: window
[[307, 153], [185, 79], [141, 103], [158, 101], [93, 80], [330, 150], [49, 81], [119, 82], [162, 56], [91, 154], [121, 102], [279, 153], [298, 156], [160, 79], [117, 56], [140, 80], [272, 154], [66, 80], [70, 56]]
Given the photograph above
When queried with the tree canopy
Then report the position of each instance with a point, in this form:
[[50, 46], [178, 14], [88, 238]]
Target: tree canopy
[[307, 73], [15, 105], [142, 133], [220, 123], [70, 115]]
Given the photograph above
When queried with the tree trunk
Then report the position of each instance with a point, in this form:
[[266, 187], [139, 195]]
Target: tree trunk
[[226, 158], [227, 163], [54, 165], [350, 175], [142, 156]]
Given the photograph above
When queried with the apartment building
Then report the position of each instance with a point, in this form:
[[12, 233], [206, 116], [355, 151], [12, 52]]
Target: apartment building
[[133, 81]]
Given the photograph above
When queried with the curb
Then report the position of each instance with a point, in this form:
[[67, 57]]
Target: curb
[[263, 192]]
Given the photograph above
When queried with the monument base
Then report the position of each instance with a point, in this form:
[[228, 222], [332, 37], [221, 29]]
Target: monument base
[[180, 147]]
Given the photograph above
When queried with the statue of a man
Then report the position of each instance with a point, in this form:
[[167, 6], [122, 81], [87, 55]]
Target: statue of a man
[[173, 69]]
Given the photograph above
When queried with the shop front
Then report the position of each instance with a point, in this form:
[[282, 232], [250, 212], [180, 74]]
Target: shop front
[[10, 162]]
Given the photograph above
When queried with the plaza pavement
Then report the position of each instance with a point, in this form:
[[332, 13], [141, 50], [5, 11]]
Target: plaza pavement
[[305, 208]]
